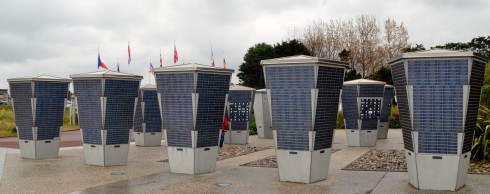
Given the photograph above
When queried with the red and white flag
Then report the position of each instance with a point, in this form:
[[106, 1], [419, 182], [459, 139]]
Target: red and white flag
[[129, 55], [161, 62], [176, 55]]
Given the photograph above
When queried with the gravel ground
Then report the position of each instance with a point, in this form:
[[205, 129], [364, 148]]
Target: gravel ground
[[394, 160], [231, 151], [269, 162]]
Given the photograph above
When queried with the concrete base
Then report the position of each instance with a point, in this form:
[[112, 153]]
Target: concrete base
[[303, 166], [40, 149], [236, 137], [437, 172], [264, 133], [192, 160], [149, 139], [361, 138], [106, 155], [383, 130]]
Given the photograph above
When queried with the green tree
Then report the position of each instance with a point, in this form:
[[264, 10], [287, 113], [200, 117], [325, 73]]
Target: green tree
[[251, 73], [417, 47], [352, 75], [383, 74]]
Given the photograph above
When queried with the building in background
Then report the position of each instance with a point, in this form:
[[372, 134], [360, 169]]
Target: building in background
[[438, 98], [39, 103], [304, 95], [192, 101], [147, 127], [106, 103], [239, 111], [362, 101], [262, 114]]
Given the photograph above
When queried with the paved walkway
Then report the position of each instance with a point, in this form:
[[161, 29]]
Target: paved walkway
[[144, 174]]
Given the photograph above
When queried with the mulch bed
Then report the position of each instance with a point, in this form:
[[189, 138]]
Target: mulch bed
[[269, 162], [231, 151], [394, 161]]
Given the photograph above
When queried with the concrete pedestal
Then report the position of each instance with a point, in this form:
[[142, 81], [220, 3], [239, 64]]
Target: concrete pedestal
[[106, 155], [361, 138], [383, 130], [437, 172], [149, 139], [236, 137], [192, 160], [264, 133], [303, 166], [40, 149]]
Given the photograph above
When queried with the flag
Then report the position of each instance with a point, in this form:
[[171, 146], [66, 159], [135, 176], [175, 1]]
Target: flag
[[176, 55], [118, 66], [212, 58], [224, 63], [161, 62], [129, 55], [151, 69], [101, 63]]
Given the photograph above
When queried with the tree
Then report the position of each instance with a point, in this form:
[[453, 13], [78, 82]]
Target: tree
[[417, 47], [251, 73], [383, 74], [480, 45]]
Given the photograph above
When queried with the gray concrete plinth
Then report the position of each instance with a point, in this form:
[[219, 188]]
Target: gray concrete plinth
[[148, 139], [236, 137], [106, 155], [361, 138], [192, 160], [40, 149], [303, 166], [437, 172], [383, 130]]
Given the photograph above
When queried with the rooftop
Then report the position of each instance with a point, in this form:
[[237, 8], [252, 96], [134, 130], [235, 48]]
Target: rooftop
[[363, 81], [239, 87], [439, 53], [303, 59], [106, 74], [193, 67], [39, 78]]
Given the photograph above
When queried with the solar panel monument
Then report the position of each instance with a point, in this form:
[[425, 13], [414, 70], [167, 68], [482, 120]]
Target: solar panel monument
[[106, 103], [362, 101], [239, 110], [39, 105], [304, 94], [147, 127], [438, 94], [262, 114], [384, 116], [192, 100]]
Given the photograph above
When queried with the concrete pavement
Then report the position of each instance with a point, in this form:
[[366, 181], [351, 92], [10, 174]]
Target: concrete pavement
[[144, 174]]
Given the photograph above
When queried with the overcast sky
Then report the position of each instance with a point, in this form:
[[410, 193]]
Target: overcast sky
[[60, 37]]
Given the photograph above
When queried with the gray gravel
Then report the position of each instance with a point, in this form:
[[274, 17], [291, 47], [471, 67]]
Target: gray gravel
[[231, 151], [269, 162]]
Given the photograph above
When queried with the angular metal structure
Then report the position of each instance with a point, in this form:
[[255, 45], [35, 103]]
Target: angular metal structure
[[262, 114], [362, 101], [106, 103], [438, 94], [147, 127], [384, 117], [239, 110], [192, 101], [39, 106], [304, 94]]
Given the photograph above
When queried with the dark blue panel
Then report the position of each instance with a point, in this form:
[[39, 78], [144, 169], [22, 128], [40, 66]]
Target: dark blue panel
[[438, 103], [386, 107], [138, 115], [176, 99], [152, 118], [50, 105], [400, 82], [88, 93], [349, 106], [120, 103], [369, 114], [240, 107], [329, 84], [212, 90], [476, 83], [366, 90], [290, 77], [21, 94], [292, 140]]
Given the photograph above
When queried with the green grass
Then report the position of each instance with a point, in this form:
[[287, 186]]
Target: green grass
[[7, 122]]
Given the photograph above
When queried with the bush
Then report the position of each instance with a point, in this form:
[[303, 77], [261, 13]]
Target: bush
[[481, 143], [253, 126], [340, 121]]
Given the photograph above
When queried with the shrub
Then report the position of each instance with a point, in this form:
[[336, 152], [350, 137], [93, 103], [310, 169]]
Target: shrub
[[340, 120], [481, 143], [253, 126]]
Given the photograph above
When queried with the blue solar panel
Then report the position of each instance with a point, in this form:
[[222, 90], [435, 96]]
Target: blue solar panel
[[50, 105], [349, 106], [476, 83], [386, 107], [212, 89], [240, 107], [21, 94], [176, 99], [138, 115], [152, 118], [120, 103], [88, 93], [400, 82]]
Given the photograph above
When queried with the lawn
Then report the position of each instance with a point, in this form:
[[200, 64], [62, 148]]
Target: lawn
[[7, 122]]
